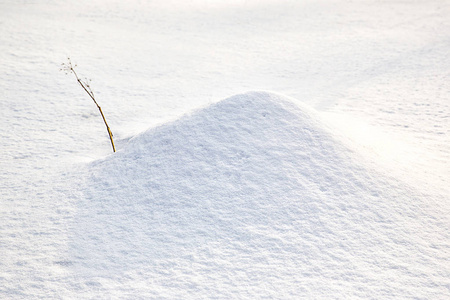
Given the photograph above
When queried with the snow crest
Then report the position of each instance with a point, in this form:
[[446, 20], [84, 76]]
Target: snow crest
[[253, 196]]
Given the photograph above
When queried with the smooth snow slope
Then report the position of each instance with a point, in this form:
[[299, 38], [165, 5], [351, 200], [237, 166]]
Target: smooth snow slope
[[252, 197], [381, 67]]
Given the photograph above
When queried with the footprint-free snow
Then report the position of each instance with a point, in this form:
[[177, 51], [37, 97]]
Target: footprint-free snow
[[252, 197]]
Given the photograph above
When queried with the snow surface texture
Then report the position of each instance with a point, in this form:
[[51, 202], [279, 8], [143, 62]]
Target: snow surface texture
[[376, 75], [254, 197]]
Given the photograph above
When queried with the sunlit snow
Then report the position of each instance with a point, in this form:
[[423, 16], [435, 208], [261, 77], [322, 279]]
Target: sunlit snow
[[335, 184]]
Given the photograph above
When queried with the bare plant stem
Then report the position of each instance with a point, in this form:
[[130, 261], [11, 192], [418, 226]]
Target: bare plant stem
[[89, 91]]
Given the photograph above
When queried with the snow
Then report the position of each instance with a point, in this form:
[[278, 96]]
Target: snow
[[337, 190], [251, 196]]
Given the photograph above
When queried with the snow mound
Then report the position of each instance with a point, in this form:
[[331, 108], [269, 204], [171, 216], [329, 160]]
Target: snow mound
[[253, 197]]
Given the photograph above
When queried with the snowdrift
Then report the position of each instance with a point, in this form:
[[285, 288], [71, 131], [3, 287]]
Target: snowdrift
[[253, 197]]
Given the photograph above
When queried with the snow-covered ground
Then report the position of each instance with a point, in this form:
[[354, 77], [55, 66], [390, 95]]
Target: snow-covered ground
[[334, 185]]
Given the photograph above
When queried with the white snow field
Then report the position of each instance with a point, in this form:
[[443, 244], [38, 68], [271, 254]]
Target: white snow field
[[333, 186]]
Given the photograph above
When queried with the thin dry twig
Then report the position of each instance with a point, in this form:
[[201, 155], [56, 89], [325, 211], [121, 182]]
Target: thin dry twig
[[69, 68]]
